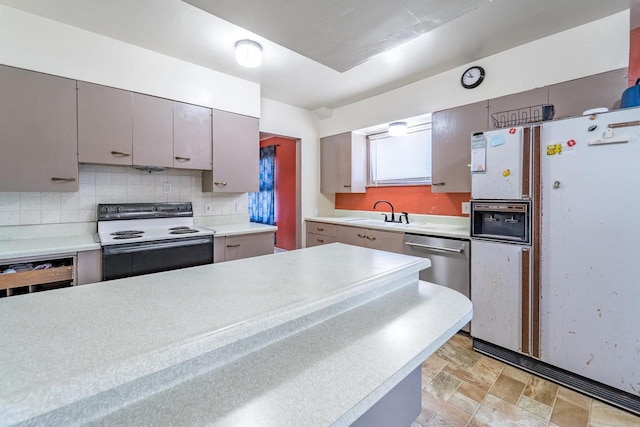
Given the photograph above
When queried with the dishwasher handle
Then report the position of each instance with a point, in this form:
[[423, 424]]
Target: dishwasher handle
[[436, 248]]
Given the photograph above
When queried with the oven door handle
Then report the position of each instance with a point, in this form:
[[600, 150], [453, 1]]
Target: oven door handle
[[437, 248], [141, 247]]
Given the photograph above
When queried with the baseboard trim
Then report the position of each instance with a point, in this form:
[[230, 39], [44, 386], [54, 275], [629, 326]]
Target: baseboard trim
[[589, 387]]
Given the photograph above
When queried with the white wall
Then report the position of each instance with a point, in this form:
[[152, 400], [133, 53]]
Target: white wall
[[593, 48], [39, 44], [286, 120]]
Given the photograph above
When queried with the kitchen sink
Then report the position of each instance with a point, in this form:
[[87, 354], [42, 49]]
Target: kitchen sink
[[381, 223], [412, 225]]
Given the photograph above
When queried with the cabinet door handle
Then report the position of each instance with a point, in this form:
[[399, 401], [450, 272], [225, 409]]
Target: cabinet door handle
[[120, 154], [438, 183], [57, 179], [362, 236], [320, 240], [237, 245], [320, 229], [371, 238], [220, 183], [347, 186], [183, 159]]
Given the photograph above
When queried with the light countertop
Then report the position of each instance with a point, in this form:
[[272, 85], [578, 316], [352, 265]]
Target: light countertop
[[332, 311], [65, 244], [223, 230], [48, 246], [424, 224], [327, 376]]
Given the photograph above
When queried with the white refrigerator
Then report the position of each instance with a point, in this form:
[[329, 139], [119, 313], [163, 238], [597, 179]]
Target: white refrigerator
[[590, 257], [502, 268]]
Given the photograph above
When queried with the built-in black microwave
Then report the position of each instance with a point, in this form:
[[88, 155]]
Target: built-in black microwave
[[500, 220]]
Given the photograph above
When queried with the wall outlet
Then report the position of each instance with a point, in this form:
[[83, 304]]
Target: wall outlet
[[466, 207], [166, 188], [238, 207], [208, 208]]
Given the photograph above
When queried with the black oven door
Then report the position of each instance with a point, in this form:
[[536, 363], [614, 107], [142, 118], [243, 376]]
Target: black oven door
[[133, 259], [504, 221]]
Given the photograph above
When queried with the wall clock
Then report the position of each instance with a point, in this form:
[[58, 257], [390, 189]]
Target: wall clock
[[472, 77]]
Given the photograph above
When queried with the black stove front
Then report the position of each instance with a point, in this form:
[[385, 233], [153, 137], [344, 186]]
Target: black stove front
[[137, 240], [134, 259]]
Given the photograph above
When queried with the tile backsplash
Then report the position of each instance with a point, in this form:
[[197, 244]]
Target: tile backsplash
[[120, 184]]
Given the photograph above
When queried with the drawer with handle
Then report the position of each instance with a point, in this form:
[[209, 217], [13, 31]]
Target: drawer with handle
[[323, 229], [317, 240]]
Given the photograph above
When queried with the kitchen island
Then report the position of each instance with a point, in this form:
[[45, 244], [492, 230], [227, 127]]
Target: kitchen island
[[310, 337]]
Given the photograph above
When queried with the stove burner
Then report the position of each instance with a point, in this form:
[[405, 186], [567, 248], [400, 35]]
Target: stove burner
[[126, 236], [183, 231], [127, 232], [179, 228]]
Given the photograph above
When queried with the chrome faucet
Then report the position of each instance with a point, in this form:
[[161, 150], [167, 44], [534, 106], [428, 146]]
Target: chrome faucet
[[393, 212]]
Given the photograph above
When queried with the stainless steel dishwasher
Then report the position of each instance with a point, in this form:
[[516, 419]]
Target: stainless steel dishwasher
[[449, 261]]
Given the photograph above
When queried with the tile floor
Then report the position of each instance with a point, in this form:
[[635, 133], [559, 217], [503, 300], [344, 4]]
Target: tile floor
[[461, 387]]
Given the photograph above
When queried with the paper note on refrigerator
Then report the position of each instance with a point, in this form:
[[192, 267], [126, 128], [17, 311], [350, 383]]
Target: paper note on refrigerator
[[479, 156], [497, 140]]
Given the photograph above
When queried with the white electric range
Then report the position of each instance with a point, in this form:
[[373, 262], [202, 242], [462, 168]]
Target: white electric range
[[142, 238]]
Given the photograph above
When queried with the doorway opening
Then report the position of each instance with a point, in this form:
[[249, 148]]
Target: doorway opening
[[280, 188]]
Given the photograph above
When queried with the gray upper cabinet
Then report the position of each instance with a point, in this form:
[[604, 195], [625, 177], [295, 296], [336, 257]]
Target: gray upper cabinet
[[236, 154], [104, 125], [38, 132], [451, 146], [152, 131], [167, 133], [343, 163], [191, 136], [516, 106], [572, 98]]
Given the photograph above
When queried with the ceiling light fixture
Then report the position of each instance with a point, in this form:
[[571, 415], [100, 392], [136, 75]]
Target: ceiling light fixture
[[397, 128], [248, 53]]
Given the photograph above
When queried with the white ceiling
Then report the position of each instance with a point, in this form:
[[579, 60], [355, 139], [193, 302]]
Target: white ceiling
[[178, 29], [341, 34]]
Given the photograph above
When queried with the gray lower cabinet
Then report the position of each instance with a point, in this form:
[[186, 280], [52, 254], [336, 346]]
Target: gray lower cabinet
[[191, 136], [320, 233], [374, 239], [152, 131], [574, 97], [343, 163], [38, 130], [241, 246], [236, 154], [451, 153], [89, 267], [105, 125]]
